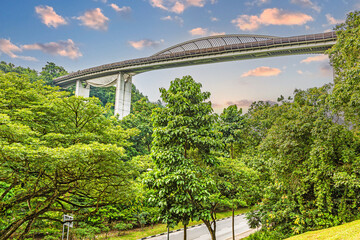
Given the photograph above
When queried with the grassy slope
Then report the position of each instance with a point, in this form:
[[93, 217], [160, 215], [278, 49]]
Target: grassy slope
[[160, 228], [348, 231]]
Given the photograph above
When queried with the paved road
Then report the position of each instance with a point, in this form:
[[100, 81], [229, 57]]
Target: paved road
[[223, 231]]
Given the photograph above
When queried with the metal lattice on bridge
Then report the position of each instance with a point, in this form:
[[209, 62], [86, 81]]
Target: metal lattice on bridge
[[214, 41]]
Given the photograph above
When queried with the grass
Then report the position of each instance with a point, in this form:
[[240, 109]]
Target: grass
[[348, 231], [135, 234]]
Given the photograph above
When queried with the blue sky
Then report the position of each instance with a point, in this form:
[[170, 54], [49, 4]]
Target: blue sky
[[80, 34]]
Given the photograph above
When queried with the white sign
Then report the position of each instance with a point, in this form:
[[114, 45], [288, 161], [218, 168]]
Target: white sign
[[68, 221]]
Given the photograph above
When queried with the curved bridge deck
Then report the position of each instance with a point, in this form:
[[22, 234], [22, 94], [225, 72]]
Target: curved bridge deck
[[209, 50]]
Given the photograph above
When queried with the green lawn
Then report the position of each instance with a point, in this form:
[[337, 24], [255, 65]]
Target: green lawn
[[160, 228], [347, 231]]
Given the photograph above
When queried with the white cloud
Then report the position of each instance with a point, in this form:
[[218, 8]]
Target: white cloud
[[214, 19], [271, 16], [49, 17], [9, 48], [319, 58], [121, 10], [262, 72], [332, 21], [177, 6], [61, 48], [307, 4], [177, 19], [257, 2], [145, 43], [94, 19]]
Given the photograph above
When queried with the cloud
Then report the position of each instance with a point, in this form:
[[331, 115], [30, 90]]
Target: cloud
[[319, 58], [262, 72], [326, 70], [49, 17], [216, 33], [300, 72], [214, 19], [307, 4], [240, 103], [177, 19], [177, 6], [122, 10], [61, 48], [257, 2], [199, 31], [204, 32], [145, 43], [94, 19], [332, 21], [271, 16], [9, 48]]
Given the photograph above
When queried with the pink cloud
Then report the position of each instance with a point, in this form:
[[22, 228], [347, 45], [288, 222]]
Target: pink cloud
[[121, 10], [262, 72], [178, 8], [196, 3], [198, 31], [94, 19], [332, 21], [271, 16], [216, 33], [319, 58], [49, 17], [61, 48], [144, 43], [9, 48]]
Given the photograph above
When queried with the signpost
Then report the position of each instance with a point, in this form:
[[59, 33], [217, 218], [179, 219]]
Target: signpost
[[68, 221]]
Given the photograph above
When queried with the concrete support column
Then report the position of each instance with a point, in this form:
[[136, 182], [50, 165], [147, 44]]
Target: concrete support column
[[123, 95], [82, 91]]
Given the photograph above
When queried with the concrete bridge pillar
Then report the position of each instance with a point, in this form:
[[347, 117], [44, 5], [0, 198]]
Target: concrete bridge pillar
[[123, 95], [80, 90]]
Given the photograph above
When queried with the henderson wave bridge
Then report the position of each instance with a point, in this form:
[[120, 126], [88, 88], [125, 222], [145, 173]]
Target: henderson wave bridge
[[205, 50]]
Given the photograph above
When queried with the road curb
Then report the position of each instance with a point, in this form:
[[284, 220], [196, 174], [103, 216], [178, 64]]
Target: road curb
[[180, 229]]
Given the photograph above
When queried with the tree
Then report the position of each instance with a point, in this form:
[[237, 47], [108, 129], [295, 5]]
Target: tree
[[237, 184], [231, 124], [344, 57], [140, 118], [182, 152], [314, 167], [51, 71], [58, 155]]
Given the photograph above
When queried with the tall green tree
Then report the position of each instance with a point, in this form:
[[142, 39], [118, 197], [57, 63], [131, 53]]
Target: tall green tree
[[184, 138], [232, 124], [58, 155], [345, 59]]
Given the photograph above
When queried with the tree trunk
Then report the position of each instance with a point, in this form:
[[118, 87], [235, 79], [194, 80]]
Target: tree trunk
[[233, 223], [185, 232], [211, 230]]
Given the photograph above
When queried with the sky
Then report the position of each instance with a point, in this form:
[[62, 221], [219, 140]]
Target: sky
[[79, 34]]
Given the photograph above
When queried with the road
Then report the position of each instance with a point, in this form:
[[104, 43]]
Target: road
[[223, 230]]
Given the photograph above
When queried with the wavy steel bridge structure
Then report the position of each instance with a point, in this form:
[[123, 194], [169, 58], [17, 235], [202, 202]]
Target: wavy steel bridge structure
[[206, 50]]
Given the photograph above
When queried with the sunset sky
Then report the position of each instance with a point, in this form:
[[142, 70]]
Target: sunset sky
[[78, 34]]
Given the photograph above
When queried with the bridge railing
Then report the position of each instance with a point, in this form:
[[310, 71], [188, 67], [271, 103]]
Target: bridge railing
[[271, 43]]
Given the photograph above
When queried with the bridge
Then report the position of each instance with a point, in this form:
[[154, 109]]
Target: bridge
[[205, 50]]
